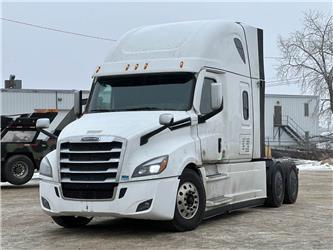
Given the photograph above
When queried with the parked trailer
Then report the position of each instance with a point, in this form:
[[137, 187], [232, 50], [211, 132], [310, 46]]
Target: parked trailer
[[23, 146], [173, 131]]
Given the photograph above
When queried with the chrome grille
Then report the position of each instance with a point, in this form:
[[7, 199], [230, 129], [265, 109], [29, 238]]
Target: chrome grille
[[88, 170]]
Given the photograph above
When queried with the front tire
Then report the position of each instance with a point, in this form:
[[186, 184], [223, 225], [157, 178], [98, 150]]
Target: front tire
[[71, 221], [190, 202], [18, 169]]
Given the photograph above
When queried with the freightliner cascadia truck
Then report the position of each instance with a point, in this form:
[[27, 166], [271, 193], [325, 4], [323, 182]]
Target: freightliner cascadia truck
[[173, 131]]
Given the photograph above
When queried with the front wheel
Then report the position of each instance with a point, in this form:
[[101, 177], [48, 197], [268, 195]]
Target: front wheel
[[18, 169], [190, 202], [71, 221]]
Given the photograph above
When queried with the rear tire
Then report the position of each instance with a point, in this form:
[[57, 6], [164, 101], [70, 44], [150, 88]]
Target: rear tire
[[71, 221], [190, 202], [18, 169], [291, 190], [275, 192]]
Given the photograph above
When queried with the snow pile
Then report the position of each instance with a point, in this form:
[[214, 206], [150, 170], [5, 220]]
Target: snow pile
[[307, 165], [35, 176]]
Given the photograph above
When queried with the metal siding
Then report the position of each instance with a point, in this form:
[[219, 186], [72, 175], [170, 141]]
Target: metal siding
[[26, 101], [65, 100], [19, 102]]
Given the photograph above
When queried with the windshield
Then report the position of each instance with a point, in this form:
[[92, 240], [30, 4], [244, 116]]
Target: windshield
[[169, 91]]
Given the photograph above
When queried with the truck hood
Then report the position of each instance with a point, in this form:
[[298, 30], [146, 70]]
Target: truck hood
[[120, 124]]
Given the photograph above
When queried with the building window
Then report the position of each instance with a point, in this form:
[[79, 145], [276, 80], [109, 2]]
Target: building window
[[245, 97], [306, 109], [240, 48], [205, 104]]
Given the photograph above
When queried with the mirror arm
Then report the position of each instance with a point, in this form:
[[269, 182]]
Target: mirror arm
[[174, 125], [144, 139], [203, 118], [47, 133]]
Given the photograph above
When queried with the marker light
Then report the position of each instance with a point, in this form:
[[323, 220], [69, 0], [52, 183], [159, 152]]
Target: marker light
[[98, 68], [181, 64], [145, 66], [136, 66], [127, 67]]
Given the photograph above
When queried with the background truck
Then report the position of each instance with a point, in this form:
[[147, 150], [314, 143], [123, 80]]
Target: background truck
[[173, 131], [23, 145]]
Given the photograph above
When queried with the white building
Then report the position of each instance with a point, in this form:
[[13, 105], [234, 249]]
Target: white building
[[290, 119], [19, 101]]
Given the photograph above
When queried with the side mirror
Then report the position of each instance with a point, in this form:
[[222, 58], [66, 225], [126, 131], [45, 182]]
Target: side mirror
[[166, 119], [78, 103], [43, 123], [216, 95]]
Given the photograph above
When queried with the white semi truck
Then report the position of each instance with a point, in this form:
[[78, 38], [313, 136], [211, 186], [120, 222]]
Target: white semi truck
[[173, 131]]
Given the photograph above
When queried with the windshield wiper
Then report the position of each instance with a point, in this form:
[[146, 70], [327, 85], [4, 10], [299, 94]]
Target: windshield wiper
[[99, 110], [141, 108], [120, 110]]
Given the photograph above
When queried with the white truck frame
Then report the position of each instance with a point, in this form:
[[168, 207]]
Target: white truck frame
[[177, 165]]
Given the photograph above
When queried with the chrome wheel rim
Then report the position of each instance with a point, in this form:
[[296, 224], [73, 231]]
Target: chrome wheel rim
[[187, 200], [20, 169]]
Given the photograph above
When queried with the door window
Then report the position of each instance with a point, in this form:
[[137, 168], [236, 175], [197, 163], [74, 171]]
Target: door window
[[205, 104]]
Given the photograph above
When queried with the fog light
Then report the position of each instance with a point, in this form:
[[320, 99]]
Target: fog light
[[122, 192], [45, 203], [144, 205]]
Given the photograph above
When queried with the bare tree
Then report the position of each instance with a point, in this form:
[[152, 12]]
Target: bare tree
[[308, 54]]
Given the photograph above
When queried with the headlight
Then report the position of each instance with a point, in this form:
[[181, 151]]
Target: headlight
[[45, 168], [151, 167]]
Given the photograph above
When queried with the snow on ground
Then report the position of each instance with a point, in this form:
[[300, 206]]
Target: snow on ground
[[308, 165], [36, 176]]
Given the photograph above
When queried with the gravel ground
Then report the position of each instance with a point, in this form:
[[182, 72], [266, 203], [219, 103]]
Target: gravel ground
[[307, 224]]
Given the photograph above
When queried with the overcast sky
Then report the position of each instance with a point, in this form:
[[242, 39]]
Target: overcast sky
[[52, 60]]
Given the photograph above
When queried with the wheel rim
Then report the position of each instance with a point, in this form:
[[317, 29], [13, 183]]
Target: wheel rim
[[278, 185], [188, 200], [293, 183], [20, 169]]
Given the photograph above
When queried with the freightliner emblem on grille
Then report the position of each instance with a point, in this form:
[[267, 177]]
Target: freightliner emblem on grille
[[90, 138]]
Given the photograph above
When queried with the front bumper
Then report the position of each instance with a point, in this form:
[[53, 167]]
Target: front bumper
[[161, 191]]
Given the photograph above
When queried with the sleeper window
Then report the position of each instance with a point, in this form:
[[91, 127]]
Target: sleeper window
[[240, 49], [245, 97], [205, 105]]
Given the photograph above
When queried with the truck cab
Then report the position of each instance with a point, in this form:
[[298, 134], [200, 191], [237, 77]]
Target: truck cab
[[173, 130]]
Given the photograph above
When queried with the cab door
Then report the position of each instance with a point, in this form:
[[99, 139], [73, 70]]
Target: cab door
[[209, 121]]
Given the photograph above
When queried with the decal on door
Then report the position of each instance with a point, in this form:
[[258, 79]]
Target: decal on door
[[245, 144]]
